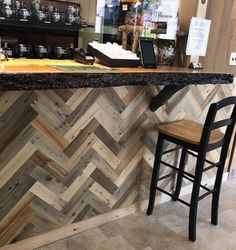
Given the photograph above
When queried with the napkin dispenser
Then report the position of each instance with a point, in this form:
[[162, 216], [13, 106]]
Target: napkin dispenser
[[113, 55]]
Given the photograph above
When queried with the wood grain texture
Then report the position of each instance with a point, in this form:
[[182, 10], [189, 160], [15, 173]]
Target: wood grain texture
[[189, 131], [222, 40], [73, 154]]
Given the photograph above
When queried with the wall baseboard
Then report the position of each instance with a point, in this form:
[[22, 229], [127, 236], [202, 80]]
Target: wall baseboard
[[79, 227]]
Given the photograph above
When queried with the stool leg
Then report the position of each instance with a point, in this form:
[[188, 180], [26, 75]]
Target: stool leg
[[155, 174], [195, 196], [216, 195], [124, 39], [180, 174]]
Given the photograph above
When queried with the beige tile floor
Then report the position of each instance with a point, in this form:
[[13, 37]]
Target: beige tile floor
[[166, 229]]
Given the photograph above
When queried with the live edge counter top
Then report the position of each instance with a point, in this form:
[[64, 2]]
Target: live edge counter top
[[23, 74]]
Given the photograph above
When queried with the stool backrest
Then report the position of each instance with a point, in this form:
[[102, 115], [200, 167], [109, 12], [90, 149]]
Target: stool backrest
[[211, 124]]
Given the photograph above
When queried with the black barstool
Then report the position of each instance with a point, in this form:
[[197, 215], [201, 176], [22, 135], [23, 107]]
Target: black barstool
[[197, 140]]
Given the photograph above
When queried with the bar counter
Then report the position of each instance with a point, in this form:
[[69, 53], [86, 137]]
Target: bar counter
[[78, 142], [53, 74]]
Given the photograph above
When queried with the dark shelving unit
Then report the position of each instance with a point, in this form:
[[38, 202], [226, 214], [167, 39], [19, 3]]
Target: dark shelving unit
[[41, 25], [7, 27]]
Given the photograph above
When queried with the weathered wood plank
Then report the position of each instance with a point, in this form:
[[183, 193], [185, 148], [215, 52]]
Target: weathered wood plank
[[85, 160]]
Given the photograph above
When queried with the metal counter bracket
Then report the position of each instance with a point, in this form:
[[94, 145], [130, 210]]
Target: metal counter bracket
[[165, 94]]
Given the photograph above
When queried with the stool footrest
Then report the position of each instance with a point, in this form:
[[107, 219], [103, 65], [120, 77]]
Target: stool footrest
[[171, 150], [168, 175], [187, 175], [171, 195], [195, 155], [214, 165], [169, 165], [204, 187], [206, 194]]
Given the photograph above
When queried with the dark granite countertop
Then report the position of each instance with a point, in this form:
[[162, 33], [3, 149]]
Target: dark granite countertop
[[52, 74]]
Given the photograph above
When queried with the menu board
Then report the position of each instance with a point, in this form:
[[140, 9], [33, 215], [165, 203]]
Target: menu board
[[198, 37]]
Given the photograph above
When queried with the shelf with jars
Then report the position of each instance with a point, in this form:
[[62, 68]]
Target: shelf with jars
[[35, 14], [40, 28]]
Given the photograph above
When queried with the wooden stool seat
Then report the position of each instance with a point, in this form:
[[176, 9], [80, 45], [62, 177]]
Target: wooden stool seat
[[188, 131]]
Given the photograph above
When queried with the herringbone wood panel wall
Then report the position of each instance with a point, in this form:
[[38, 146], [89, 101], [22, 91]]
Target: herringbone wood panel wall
[[67, 155]]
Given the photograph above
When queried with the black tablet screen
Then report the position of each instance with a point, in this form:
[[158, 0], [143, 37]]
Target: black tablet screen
[[147, 53]]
